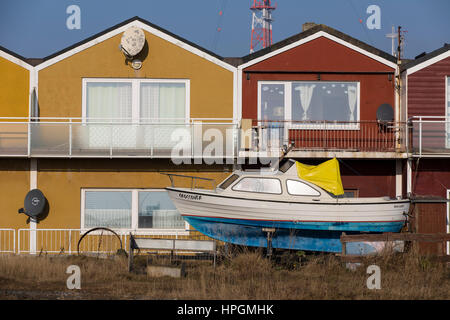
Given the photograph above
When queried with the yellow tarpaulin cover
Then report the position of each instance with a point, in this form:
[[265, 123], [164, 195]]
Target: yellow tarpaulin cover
[[326, 175]]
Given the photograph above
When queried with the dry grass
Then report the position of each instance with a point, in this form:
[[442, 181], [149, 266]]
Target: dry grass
[[245, 275]]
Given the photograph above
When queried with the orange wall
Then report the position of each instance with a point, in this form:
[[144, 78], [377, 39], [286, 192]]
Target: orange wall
[[14, 185], [61, 182], [14, 89], [60, 85]]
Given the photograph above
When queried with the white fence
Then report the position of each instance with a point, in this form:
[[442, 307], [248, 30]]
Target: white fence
[[7, 240], [65, 241]]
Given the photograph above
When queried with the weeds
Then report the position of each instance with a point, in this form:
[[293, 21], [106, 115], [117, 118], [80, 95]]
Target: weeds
[[242, 274]]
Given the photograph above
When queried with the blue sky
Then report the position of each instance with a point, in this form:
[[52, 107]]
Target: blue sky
[[37, 28]]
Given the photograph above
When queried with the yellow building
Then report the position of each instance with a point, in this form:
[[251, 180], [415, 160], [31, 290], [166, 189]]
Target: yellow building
[[107, 126], [15, 94]]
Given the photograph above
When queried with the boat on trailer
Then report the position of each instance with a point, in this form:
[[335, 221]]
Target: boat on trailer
[[297, 206]]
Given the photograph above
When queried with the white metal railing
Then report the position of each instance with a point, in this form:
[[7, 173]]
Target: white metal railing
[[355, 136], [116, 138], [7, 240], [429, 136], [65, 241]]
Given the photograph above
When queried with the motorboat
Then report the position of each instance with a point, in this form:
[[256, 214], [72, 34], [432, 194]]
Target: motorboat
[[303, 207]]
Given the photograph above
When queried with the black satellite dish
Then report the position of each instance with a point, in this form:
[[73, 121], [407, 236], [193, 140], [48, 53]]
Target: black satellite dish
[[385, 113], [34, 203]]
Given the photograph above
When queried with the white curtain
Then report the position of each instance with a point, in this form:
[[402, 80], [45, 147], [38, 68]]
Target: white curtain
[[306, 92], [352, 97], [149, 101], [163, 101], [109, 100]]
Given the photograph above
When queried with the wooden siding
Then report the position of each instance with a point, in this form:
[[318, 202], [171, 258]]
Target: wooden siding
[[371, 178], [430, 218], [321, 55], [426, 90]]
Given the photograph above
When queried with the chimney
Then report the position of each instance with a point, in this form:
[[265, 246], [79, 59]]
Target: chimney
[[308, 25]]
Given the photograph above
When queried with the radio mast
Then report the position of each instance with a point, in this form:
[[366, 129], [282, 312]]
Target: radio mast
[[261, 24]]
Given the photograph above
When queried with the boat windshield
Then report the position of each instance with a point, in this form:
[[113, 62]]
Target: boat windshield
[[229, 181]]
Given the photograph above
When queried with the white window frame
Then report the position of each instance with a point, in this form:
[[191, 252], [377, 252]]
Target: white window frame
[[446, 113], [135, 93], [312, 126], [134, 214]]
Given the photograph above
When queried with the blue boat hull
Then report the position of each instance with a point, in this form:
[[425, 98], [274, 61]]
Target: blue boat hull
[[307, 236]]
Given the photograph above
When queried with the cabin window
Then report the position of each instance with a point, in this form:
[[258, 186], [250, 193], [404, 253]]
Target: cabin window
[[310, 103], [259, 185], [228, 182], [136, 209], [298, 188]]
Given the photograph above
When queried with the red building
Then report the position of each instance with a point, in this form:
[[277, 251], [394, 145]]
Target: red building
[[321, 90], [426, 104]]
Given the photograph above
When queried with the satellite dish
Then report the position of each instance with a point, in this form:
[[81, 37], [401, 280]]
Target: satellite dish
[[385, 113], [34, 203], [132, 42]]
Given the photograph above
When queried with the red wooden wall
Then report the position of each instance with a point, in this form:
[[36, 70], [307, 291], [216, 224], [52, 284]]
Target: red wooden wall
[[322, 54]]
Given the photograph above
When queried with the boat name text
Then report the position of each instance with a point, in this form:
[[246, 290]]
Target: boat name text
[[187, 196]]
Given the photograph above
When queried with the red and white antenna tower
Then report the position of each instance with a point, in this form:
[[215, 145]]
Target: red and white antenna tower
[[261, 24]]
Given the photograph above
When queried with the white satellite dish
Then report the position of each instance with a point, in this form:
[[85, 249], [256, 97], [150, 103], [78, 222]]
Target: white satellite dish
[[132, 42]]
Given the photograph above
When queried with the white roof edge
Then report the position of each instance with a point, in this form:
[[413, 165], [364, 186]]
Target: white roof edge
[[147, 28], [16, 60], [428, 63], [315, 36]]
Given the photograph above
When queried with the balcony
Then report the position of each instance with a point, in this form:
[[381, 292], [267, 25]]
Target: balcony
[[113, 138], [218, 138], [429, 136], [323, 139]]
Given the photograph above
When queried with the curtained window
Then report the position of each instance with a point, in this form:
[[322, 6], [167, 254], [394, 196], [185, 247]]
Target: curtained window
[[109, 100], [309, 101], [325, 101], [134, 100], [130, 209]]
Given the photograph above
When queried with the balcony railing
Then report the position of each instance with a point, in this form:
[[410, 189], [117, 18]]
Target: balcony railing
[[429, 136], [356, 136], [112, 138], [214, 138]]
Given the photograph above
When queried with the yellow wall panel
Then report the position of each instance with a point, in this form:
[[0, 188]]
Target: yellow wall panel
[[60, 84], [14, 89], [61, 182], [14, 185]]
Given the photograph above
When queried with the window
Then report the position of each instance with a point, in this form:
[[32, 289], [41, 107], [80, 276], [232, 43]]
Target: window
[[310, 101], [135, 100], [130, 209], [229, 181], [259, 185], [272, 101], [110, 209], [298, 188], [157, 211]]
